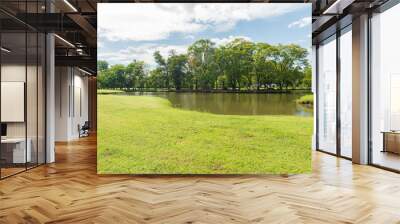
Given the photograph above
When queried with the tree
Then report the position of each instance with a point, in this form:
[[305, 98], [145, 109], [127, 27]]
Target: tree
[[288, 62], [163, 65], [229, 60], [116, 76], [202, 62], [177, 67], [135, 75], [236, 64], [245, 50], [155, 79], [221, 81], [101, 84], [102, 66], [307, 80], [223, 63], [262, 64]]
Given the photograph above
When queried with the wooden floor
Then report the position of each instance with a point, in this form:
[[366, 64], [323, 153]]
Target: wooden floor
[[5, 172], [70, 191], [387, 159]]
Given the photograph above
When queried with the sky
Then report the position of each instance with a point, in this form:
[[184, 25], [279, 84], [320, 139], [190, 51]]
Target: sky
[[128, 32]]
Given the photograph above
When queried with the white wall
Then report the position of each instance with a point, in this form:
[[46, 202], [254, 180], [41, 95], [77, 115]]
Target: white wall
[[13, 72], [33, 126], [71, 87], [17, 73], [81, 83], [62, 82]]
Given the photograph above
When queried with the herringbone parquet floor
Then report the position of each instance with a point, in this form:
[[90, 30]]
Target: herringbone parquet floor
[[69, 191]]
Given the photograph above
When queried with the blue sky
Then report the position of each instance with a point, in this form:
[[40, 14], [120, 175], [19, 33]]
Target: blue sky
[[134, 31]]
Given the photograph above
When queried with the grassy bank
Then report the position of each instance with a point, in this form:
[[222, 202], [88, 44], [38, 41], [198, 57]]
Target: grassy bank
[[109, 91], [307, 99], [144, 134]]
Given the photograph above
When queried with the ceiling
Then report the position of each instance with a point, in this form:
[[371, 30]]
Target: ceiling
[[75, 21], [331, 15]]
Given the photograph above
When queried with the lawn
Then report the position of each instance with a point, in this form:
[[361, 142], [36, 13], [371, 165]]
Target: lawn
[[146, 135]]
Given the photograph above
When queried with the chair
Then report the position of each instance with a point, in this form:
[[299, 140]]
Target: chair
[[84, 130]]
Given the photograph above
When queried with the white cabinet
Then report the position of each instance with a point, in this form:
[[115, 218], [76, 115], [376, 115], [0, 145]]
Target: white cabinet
[[19, 155]]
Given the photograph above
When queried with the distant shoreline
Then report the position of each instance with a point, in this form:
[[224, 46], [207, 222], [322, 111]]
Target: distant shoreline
[[114, 91]]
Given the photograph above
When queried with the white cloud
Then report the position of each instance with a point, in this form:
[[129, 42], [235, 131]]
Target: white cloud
[[141, 53], [223, 41], [191, 37], [145, 52], [301, 23], [148, 22]]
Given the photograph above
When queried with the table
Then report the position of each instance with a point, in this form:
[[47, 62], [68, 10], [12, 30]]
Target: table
[[391, 141]]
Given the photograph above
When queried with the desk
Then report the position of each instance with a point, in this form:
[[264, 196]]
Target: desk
[[391, 141], [18, 150]]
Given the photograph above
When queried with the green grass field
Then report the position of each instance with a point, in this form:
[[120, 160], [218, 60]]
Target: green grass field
[[145, 135]]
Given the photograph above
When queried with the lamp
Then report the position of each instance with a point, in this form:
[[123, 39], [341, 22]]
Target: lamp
[[5, 50], [84, 71], [70, 5], [64, 40]]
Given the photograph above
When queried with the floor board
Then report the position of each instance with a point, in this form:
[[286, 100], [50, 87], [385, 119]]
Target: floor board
[[70, 191]]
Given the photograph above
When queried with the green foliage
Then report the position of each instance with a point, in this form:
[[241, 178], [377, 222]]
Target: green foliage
[[235, 65], [155, 79], [177, 67], [307, 80], [102, 66], [163, 68], [163, 139], [202, 64], [135, 75], [262, 65], [289, 62], [123, 77]]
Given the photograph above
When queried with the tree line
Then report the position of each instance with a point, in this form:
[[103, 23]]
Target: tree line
[[237, 65]]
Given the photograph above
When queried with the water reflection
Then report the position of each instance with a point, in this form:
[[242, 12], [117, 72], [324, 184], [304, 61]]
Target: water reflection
[[238, 103]]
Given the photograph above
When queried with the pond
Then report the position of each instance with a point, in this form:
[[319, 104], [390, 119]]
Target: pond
[[238, 103]]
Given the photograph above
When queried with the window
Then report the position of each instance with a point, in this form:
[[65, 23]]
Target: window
[[22, 87], [327, 95], [346, 92], [385, 89]]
